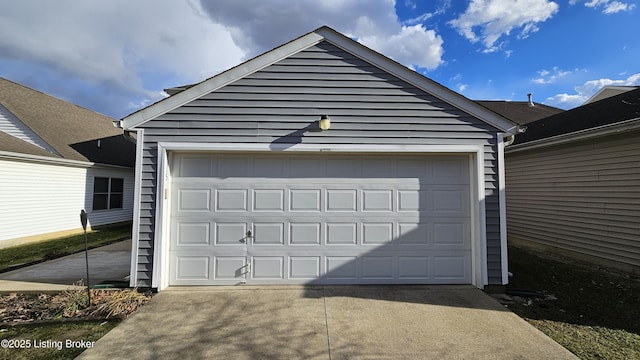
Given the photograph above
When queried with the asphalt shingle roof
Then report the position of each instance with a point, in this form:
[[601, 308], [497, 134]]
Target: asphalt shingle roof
[[519, 111], [70, 130], [612, 110]]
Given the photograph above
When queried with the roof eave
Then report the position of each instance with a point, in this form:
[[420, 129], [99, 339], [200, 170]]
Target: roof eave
[[609, 129], [422, 82], [163, 106], [324, 33]]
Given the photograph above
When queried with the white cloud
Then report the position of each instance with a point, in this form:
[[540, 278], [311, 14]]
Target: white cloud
[[549, 77], [258, 26], [115, 46], [462, 87], [414, 45], [444, 6], [610, 6], [586, 90], [496, 18]]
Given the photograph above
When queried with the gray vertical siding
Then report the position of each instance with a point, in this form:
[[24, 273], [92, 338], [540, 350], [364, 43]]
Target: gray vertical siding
[[582, 198], [280, 103]]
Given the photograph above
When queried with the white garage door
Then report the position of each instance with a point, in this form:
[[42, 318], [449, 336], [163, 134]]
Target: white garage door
[[330, 219]]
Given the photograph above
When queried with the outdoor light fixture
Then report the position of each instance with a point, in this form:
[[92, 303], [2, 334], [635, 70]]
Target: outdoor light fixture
[[325, 122]]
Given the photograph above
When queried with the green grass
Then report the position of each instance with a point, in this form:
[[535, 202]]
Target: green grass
[[20, 255], [596, 314], [55, 334]]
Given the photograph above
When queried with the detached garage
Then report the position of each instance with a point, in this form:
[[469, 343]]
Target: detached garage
[[318, 162]]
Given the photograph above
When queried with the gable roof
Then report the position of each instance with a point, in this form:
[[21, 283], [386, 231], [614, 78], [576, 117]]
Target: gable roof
[[618, 109], [184, 94], [519, 111], [70, 130], [608, 91]]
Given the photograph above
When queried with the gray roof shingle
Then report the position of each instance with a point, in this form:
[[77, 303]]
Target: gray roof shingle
[[519, 111], [609, 111], [70, 130]]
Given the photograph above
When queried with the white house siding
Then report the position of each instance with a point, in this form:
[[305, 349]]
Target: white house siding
[[41, 198], [582, 198], [277, 105], [102, 217]]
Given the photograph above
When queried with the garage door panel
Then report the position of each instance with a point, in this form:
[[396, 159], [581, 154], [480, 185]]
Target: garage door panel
[[194, 200], [307, 200], [448, 201], [341, 200], [377, 267], [413, 234], [341, 267], [268, 267], [376, 219], [193, 234], [414, 168], [451, 170], [377, 233], [342, 168], [231, 233], [341, 233], [195, 166], [304, 233], [377, 200], [452, 233], [378, 168], [268, 200], [232, 167], [231, 200], [268, 233], [450, 267], [230, 267], [192, 268], [412, 200], [304, 267], [413, 267], [269, 167], [307, 167]]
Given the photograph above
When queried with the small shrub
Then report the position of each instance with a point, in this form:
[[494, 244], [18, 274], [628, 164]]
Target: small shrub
[[74, 300], [122, 303]]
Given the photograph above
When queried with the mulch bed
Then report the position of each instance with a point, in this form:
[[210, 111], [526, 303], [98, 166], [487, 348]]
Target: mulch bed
[[70, 305]]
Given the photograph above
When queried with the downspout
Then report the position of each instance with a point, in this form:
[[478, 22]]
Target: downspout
[[504, 140]]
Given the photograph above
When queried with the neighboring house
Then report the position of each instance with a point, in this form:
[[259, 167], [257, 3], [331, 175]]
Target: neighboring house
[[56, 159], [238, 183], [520, 112], [609, 91], [573, 183]]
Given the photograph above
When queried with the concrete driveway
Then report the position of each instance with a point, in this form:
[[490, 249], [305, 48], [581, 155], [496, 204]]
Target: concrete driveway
[[110, 262], [364, 322]]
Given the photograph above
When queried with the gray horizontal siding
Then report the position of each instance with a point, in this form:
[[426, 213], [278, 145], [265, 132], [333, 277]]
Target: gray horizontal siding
[[582, 197], [282, 102]]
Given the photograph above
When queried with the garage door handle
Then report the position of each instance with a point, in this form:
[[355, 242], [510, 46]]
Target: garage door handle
[[247, 268], [249, 235]]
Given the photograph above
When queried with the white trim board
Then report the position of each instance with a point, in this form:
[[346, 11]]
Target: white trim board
[[135, 234], [479, 273]]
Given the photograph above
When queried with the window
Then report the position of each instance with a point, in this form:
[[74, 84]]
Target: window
[[107, 193]]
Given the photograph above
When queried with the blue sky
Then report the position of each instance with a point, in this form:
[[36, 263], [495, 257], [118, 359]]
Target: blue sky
[[117, 56]]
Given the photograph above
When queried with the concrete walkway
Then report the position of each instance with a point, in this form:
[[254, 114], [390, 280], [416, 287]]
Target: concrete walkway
[[364, 322], [111, 262]]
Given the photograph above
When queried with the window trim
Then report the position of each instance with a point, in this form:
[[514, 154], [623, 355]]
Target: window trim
[[109, 194]]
